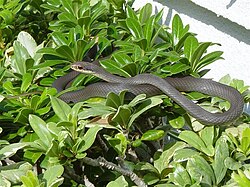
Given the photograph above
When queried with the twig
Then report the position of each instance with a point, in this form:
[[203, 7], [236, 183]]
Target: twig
[[100, 161]]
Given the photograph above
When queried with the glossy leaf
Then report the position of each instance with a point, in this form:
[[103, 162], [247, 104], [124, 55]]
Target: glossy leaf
[[177, 122], [208, 59], [198, 168], [192, 139], [148, 30], [221, 153], [28, 42], [180, 176], [146, 105], [14, 172], [184, 154], [190, 45], [145, 13], [117, 4], [61, 108], [207, 135], [21, 55], [177, 27], [163, 161], [241, 179], [39, 126], [232, 164], [10, 150], [119, 182], [26, 82], [199, 51], [89, 138], [66, 51], [114, 68], [130, 13], [119, 143], [30, 180], [134, 27], [152, 135], [114, 100], [52, 174], [122, 116]]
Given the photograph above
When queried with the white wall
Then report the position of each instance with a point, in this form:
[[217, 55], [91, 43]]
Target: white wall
[[220, 21]]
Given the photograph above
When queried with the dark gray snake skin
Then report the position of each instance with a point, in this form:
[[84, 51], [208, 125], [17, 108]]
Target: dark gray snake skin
[[152, 85]]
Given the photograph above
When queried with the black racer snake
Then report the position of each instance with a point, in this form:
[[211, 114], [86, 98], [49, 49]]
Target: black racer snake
[[153, 85]]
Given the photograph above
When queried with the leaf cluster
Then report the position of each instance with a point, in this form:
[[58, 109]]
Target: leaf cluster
[[120, 140]]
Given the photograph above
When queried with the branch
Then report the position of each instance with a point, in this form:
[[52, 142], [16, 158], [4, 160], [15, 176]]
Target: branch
[[111, 166]]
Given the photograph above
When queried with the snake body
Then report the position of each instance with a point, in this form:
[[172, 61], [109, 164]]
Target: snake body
[[153, 85]]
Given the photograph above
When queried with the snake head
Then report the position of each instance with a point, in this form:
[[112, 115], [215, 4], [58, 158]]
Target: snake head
[[83, 67]]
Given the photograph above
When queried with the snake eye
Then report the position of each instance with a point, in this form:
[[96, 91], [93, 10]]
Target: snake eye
[[80, 67]]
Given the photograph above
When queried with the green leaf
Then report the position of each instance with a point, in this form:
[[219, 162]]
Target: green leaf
[[117, 4], [19, 58], [221, 153], [89, 138], [59, 38], [241, 179], [208, 59], [163, 161], [199, 51], [61, 108], [146, 105], [180, 176], [145, 13], [26, 82], [40, 128], [75, 110], [52, 174], [190, 44], [114, 101], [122, 115], [67, 19], [119, 143], [10, 150], [114, 68], [148, 30], [66, 51], [184, 154], [100, 110], [138, 99], [177, 27], [232, 164], [130, 12], [13, 172], [7, 16], [135, 28], [30, 180], [67, 5], [122, 58], [23, 114], [131, 69], [27, 41], [192, 139], [207, 135], [198, 167], [51, 51], [178, 122], [119, 182], [152, 135]]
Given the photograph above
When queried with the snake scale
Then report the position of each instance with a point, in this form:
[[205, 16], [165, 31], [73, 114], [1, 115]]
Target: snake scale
[[152, 85]]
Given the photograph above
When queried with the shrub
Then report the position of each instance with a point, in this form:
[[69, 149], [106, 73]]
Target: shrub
[[146, 141]]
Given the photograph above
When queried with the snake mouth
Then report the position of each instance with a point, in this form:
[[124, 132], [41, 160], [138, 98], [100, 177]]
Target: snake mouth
[[77, 67]]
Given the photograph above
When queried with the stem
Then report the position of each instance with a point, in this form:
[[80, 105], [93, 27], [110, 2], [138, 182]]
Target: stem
[[111, 166]]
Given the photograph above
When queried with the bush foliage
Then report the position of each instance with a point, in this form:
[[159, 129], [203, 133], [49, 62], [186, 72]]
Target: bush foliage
[[146, 141]]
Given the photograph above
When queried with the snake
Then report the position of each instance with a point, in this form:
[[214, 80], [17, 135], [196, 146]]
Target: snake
[[152, 85]]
